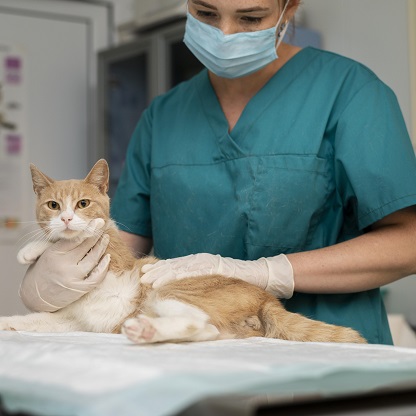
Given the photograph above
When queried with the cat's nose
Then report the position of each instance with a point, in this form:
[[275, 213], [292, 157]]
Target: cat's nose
[[66, 218]]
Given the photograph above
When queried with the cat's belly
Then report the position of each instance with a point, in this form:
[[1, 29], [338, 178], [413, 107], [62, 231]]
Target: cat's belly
[[107, 306]]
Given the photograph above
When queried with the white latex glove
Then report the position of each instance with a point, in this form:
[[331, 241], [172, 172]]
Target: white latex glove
[[274, 274], [67, 270]]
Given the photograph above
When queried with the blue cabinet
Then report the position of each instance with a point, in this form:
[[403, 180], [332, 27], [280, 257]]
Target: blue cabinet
[[130, 76]]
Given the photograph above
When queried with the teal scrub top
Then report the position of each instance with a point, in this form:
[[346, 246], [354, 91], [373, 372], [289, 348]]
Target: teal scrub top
[[319, 154]]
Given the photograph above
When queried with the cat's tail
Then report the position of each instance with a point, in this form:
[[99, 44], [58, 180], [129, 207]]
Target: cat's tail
[[279, 323]]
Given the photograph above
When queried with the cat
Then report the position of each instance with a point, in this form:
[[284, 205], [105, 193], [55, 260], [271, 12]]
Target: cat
[[192, 309]]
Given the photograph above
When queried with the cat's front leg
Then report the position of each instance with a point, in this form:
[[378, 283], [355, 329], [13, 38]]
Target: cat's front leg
[[32, 251], [38, 322]]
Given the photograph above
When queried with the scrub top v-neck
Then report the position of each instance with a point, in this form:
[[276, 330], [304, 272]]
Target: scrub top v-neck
[[319, 154]]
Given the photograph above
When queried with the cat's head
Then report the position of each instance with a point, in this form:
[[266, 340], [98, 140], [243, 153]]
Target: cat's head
[[65, 208]]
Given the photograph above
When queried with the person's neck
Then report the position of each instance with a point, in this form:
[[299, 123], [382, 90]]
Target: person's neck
[[249, 85]]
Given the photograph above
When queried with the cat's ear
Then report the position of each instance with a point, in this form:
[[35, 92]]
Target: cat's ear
[[99, 176], [39, 179]]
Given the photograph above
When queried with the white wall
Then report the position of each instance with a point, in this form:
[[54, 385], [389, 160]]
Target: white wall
[[59, 40], [123, 10]]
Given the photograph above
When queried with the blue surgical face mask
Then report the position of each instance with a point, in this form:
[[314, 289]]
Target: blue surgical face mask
[[235, 55]]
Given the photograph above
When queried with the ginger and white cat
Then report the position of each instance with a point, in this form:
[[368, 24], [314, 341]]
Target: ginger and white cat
[[191, 309]]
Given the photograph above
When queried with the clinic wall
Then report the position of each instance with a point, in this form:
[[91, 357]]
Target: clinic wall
[[376, 33], [58, 41]]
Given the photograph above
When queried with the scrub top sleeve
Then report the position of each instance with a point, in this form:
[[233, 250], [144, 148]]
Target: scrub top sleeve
[[130, 206], [374, 158]]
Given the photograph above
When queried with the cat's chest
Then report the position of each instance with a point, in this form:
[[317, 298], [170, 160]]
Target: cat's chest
[[122, 286], [107, 306]]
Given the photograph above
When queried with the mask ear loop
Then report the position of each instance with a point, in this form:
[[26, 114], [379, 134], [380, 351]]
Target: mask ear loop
[[282, 28]]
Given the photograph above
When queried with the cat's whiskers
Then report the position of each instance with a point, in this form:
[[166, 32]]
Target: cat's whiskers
[[31, 232], [31, 236], [53, 231], [124, 226], [112, 245], [92, 231], [27, 223]]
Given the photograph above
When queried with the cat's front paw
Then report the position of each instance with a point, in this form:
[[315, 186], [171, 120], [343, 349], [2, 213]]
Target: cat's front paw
[[139, 330], [32, 251], [26, 256]]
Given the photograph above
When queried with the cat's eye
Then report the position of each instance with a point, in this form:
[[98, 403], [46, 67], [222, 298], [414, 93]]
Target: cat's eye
[[83, 203], [53, 205]]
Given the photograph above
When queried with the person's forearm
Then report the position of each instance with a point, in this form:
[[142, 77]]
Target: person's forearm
[[374, 259], [140, 246]]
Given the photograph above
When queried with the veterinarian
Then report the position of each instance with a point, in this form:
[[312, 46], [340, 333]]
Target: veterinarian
[[289, 168]]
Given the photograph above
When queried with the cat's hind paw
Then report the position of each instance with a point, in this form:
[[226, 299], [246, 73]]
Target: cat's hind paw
[[6, 325], [139, 330]]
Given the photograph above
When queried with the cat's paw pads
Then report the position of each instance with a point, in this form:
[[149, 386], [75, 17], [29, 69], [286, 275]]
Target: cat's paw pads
[[26, 257], [139, 330]]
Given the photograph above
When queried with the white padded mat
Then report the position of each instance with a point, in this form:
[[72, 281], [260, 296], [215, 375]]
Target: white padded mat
[[89, 374]]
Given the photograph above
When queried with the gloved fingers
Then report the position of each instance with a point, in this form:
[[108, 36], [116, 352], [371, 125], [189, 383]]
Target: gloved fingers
[[152, 272], [155, 274], [98, 274], [75, 248], [89, 281], [167, 271], [163, 280], [153, 266], [181, 267], [193, 264], [93, 226], [94, 254], [195, 273], [174, 263], [146, 268]]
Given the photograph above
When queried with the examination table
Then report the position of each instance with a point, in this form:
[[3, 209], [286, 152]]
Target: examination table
[[86, 374]]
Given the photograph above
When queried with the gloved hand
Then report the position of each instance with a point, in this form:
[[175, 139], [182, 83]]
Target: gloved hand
[[274, 274], [66, 271]]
